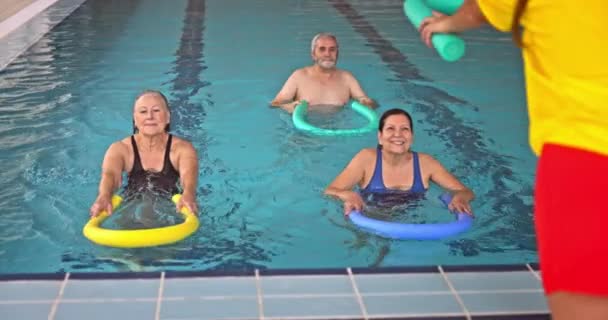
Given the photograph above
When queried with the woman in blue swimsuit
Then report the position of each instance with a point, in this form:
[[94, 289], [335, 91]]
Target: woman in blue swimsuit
[[393, 168]]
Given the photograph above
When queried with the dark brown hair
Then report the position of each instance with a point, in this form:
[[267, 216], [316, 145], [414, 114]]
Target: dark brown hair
[[393, 112]]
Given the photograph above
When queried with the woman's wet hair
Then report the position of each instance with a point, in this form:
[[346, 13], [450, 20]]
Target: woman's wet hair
[[162, 96], [393, 112]]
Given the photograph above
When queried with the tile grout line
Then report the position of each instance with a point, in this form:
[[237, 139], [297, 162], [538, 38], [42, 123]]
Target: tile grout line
[[59, 296], [161, 289], [453, 290], [258, 289], [534, 272], [357, 293], [273, 296]]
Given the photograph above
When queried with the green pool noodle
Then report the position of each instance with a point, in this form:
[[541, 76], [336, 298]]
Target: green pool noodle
[[449, 47], [445, 6], [299, 120]]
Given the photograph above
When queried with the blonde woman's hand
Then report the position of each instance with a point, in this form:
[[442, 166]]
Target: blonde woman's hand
[[188, 201], [103, 202]]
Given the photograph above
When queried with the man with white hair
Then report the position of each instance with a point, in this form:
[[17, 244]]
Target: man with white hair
[[321, 83]]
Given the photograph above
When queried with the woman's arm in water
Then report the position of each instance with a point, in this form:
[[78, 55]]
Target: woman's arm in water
[[187, 166], [111, 177], [342, 186], [461, 195]]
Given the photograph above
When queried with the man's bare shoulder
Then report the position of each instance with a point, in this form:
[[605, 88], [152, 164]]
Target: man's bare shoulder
[[345, 74], [301, 71], [304, 72]]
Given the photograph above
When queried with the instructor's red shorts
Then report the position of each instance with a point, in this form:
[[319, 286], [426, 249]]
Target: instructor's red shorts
[[571, 217]]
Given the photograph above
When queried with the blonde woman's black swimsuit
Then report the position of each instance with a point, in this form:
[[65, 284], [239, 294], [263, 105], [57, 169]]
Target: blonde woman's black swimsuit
[[140, 180]]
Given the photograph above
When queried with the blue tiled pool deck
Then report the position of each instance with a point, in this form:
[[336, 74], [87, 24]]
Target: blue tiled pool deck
[[441, 292]]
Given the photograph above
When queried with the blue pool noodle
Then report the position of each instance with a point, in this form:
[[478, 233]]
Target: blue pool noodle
[[449, 47], [395, 230]]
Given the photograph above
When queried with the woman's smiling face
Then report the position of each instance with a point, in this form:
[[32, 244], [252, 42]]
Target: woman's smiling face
[[151, 114], [396, 135]]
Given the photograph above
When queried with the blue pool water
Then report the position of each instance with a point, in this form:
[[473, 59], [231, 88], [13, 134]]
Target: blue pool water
[[70, 95]]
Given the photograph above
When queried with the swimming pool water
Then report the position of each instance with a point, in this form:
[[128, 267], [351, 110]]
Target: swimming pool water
[[70, 95]]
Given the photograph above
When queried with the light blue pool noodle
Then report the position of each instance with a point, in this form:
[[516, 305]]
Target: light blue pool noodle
[[299, 121], [449, 47], [402, 231]]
